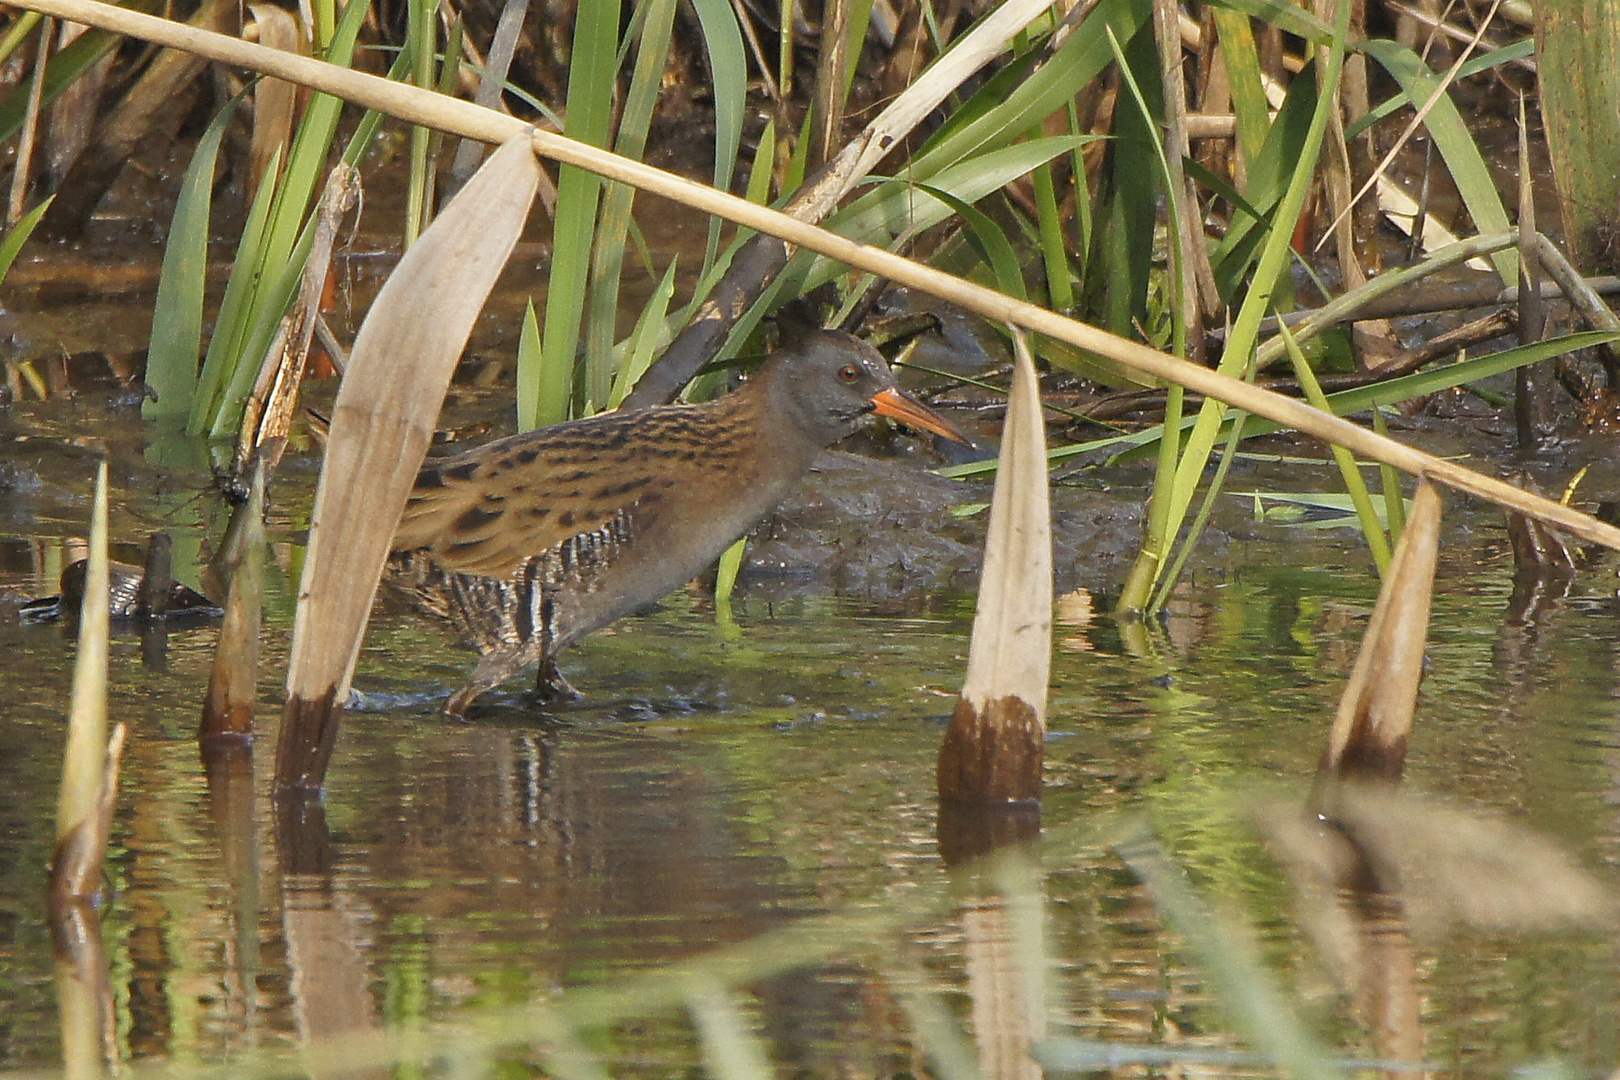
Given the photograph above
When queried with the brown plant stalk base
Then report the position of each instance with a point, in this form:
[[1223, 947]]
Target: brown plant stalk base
[[309, 728], [992, 756]]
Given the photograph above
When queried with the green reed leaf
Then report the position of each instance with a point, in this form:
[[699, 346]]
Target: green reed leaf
[[1456, 144], [177, 313]]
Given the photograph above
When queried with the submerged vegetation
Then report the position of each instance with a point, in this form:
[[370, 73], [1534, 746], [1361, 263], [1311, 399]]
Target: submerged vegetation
[[1183, 211]]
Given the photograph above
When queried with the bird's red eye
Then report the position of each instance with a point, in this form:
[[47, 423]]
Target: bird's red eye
[[849, 373]]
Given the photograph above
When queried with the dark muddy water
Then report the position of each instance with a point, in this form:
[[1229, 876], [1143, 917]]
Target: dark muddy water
[[725, 779]]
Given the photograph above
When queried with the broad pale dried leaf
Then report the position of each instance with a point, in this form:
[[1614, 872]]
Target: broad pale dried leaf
[[994, 747], [381, 425], [1011, 650]]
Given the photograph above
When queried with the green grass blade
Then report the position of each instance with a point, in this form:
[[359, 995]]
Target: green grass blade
[[1519, 50], [271, 280], [19, 234], [230, 322], [1135, 187], [651, 333], [1268, 275], [761, 172], [1054, 251], [1150, 114], [1243, 75], [988, 240], [1015, 99], [728, 69], [1217, 483], [271, 302], [528, 351], [1371, 528], [902, 205], [592, 74], [1434, 380], [422, 27], [1287, 17], [657, 19], [1350, 402], [1270, 175], [17, 33], [725, 579], [1394, 503], [177, 313], [1455, 143]]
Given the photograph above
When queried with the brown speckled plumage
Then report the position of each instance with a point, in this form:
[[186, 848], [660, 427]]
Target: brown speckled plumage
[[531, 542]]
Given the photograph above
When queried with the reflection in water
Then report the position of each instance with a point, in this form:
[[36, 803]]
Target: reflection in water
[[710, 790], [83, 992]]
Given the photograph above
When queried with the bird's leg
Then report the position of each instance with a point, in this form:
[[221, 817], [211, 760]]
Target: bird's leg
[[550, 685], [494, 668]]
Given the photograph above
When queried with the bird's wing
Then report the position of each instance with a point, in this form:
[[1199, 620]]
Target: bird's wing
[[489, 509]]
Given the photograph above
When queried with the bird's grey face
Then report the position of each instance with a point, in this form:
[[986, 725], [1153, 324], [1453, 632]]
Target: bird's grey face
[[836, 379]]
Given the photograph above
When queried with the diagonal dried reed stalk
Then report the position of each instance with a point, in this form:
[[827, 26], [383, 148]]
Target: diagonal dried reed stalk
[[463, 118]]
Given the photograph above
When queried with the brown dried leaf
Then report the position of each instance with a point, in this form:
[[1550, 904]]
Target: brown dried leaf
[[274, 100], [1446, 866]]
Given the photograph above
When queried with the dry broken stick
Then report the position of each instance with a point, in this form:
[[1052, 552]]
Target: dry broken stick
[[1582, 294], [268, 414]]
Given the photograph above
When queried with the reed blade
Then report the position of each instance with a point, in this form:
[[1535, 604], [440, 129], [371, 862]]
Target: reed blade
[[382, 422], [90, 764]]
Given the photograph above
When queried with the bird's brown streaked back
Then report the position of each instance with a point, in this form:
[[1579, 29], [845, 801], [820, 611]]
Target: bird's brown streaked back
[[487, 510]]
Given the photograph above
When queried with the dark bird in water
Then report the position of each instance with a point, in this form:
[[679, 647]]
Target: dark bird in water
[[531, 542]]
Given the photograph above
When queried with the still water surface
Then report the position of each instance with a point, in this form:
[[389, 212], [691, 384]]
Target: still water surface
[[722, 781]]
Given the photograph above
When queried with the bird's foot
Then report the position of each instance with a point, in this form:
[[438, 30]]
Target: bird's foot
[[551, 686], [456, 705]]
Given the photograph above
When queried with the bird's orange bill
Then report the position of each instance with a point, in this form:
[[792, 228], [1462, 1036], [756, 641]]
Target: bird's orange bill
[[901, 406]]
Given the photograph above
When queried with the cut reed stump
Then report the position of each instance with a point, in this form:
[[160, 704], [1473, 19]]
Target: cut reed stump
[[994, 749], [233, 682], [1374, 722]]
